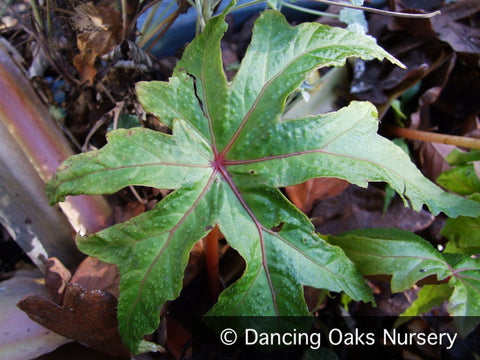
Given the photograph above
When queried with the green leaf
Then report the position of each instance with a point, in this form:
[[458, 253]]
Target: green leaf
[[463, 234], [354, 17], [228, 154], [462, 180], [405, 256], [125, 121], [458, 157], [428, 297], [465, 300]]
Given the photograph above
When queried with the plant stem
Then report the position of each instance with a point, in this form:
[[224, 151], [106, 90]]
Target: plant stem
[[36, 14], [211, 256], [427, 136], [309, 11], [381, 12], [238, 7]]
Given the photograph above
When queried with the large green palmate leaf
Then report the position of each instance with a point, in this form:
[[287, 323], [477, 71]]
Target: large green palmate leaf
[[228, 154]]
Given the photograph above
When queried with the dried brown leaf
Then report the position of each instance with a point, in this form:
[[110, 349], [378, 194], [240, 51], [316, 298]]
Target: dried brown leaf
[[85, 316], [432, 158], [359, 208], [305, 195], [94, 274], [461, 37], [56, 278], [99, 30]]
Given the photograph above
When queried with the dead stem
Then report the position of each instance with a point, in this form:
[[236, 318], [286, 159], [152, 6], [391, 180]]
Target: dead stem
[[427, 136]]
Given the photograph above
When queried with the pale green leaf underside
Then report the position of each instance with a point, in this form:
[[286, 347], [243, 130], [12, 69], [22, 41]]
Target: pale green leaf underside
[[405, 256], [228, 153]]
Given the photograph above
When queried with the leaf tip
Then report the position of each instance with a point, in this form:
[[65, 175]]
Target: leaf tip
[[395, 61]]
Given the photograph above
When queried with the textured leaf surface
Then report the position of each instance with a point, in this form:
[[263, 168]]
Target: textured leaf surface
[[228, 153], [409, 258], [465, 300], [463, 234], [462, 180], [405, 256]]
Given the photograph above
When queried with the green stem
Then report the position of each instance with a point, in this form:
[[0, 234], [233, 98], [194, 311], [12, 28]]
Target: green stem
[[36, 14], [309, 11]]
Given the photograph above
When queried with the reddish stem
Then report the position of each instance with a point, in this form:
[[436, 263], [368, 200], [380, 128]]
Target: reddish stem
[[211, 256]]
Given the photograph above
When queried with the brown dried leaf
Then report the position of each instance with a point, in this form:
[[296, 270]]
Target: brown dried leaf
[[432, 159], [196, 263], [124, 213], [86, 316], [359, 208], [472, 125], [418, 28], [426, 5], [305, 195], [56, 278], [99, 31], [94, 274], [381, 84], [461, 37]]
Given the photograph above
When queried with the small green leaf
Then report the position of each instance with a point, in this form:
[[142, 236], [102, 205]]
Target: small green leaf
[[463, 234], [125, 121], [465, 300], [354, 17], [462, 180], [457, 157], [405, 256], [428, 297], [397, 108]]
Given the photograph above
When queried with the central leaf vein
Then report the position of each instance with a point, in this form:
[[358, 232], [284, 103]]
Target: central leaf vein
[[261, 93], [259, 228]]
